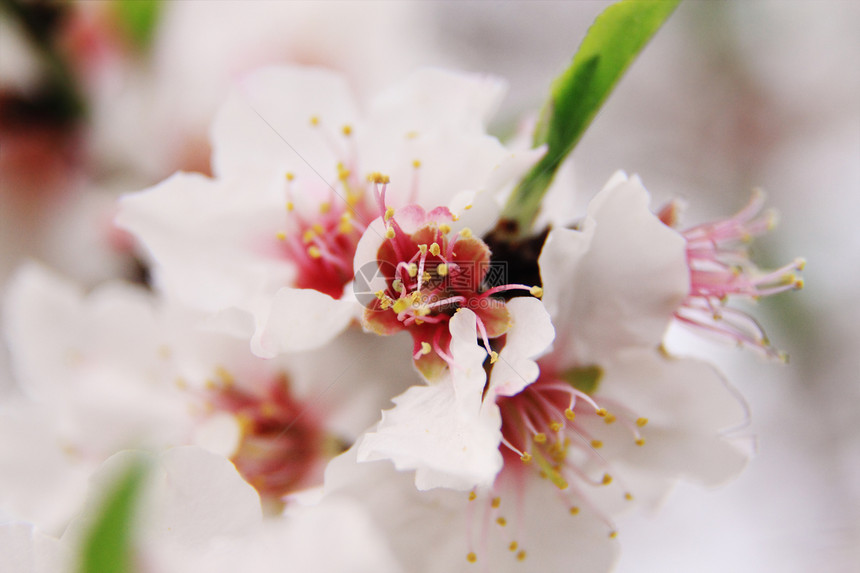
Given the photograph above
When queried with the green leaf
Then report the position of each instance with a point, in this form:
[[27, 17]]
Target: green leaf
[[107, 547], [584, 378], [610, 46], [138, 20]]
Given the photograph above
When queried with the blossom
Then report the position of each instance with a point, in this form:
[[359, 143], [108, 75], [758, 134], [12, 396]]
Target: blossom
[[157, 377], [275, 233], [604, 416], [721, 270], [612, 418]]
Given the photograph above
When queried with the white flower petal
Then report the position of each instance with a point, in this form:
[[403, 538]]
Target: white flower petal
[[443, 431], [452, 525], [531, 334], [301, 319], [27, 550], [617, 282], [432, 99], [208, 237], [265, 125], [191, 496]]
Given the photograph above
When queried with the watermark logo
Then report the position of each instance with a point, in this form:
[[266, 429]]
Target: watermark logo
[[460, 281], [370, 279]]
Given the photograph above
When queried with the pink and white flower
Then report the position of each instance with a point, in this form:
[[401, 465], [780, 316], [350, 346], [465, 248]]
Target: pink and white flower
[[275, 233], [605, 417], [156, 377]]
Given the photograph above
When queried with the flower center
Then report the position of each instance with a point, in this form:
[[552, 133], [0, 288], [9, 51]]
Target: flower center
[[430, 274], [282, 445], [324, 230], [552, 430]]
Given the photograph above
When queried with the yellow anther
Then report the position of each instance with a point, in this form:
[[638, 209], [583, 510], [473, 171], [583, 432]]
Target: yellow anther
[[494, 356], [455, 217], [411, 135], [244, 421], [315, 120], [536, 291], [412, 270], [425, 348], [641, 421], [798, 284], [226, 378], [601, 412], [401, 305], [574, 510], [613, 534], [318, 228], [290, 206], [560, 483], [290, 176], [377, 177], [607, 479], [444, 228], [472, 496], [471, 557], [442, 269], [521, 556], [314, 252], [268, 409], [426, 277], [423, 249], [556, 426], [397, 285], [389, 233], [640, 442], [800, 263], [628, 496], [466, 232], [501, 521], [526, 457], [609, 418], [540, 438], [419, 322], [569, 414], [281, 236], [416, 163], [345, 226], [389, 213], [181, 383], [467, 207], [513, 546], [435, 249], [346, 130], [380, 294], [325, 207], [596, 444], [496, 502], [309, 235]]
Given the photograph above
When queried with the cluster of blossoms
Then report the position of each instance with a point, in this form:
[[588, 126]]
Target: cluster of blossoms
[[339, 260]]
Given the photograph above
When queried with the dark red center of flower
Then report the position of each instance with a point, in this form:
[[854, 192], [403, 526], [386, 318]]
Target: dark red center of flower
[[430, 274], [282, 446]]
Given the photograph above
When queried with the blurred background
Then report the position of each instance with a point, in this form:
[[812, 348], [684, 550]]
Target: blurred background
[[100, 98]]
